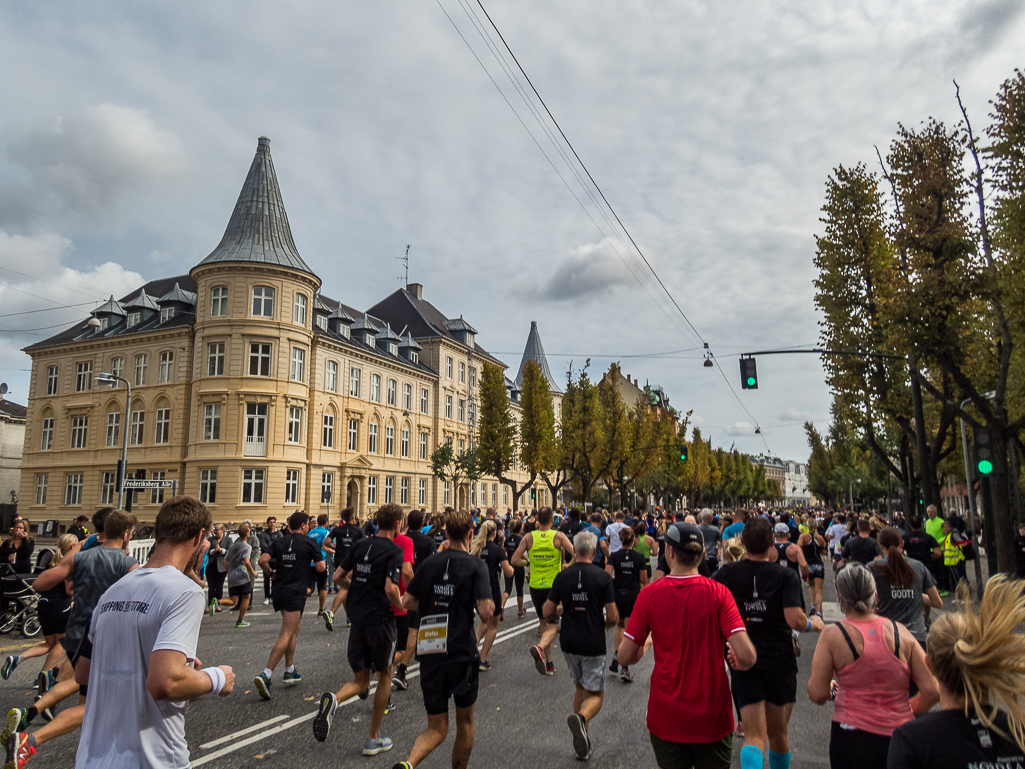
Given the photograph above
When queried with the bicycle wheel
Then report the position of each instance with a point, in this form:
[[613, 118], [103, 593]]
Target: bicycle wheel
[[8, 621], [30, 626]]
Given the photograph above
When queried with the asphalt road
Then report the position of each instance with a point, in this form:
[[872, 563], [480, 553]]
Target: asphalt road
[[521, 716]]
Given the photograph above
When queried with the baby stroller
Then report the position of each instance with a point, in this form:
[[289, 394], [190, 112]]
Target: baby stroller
[[19, 602]]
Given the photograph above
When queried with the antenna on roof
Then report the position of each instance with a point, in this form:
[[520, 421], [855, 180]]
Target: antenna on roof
[[405, 261]]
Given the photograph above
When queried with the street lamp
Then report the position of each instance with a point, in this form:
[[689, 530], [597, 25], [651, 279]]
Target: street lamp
[[972, 516], [850, 491], [122, 469]]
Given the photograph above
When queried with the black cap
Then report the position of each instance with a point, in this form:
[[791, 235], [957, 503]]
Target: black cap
[[682, 533]]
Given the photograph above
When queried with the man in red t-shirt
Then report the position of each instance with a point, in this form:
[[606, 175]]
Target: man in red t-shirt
[[692, 622], [401, 617]]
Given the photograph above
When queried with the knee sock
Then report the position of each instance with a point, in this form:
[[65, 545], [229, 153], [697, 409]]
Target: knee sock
[[750, 757], [779, 760]]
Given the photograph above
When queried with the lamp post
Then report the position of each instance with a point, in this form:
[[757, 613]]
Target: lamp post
[[972, 517], [122, 469]]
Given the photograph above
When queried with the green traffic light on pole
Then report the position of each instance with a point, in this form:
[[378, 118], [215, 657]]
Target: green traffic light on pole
[[748, 374], [985, 467], [983, 446]]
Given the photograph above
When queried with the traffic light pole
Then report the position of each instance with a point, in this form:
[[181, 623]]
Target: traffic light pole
[[972, 515]]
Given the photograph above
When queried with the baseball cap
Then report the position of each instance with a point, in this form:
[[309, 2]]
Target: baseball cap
[[682, 533], [781, 528]]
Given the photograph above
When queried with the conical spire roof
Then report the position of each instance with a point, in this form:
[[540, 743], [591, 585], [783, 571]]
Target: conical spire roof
[[535, 351], [258, 230]]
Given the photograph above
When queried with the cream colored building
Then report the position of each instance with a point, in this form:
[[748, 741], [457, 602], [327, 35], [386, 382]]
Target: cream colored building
[[12, 442], [254, 391]]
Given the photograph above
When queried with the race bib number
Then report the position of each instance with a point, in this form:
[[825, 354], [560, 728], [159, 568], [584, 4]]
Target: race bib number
[[432, 638]]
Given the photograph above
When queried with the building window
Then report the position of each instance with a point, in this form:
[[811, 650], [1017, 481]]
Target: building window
[[448, 367], [259, 359], [133, 319], [166, 313], [331, 376], [51, 380], [353, 435], [46, 442], [462, 372], [166, 366], [163, 423], [295, 424], [494, 493], [391, 392], [263, 302], [389, 489], [354, 382], [252, 486], [42, 481], [329, 431], [219, 308], [291, 486], [462, 446], [84, 377], [473, 377], [300, 309], [212, 422], [372, 438], [424, 395], [117, 368], [423, 445], [298, 364], [422, 492], [389, 440], [407, 396], [505, 495], [404, 491], [448, 492], [215, 359], [462, 410], [321, 321], [113, 428], [73, 489], [256, 430], [138, 424], [79, 431], [375, 388], [473, 414], [208, 483], [448, 407], [404, 444], [327, 481], [372, 490], [141, 363], [156, 496]]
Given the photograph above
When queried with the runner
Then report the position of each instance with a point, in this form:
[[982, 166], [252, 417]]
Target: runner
[[588, 601], [812, 545], [512, 541], [833, 536], [921, 546], [497, 563], [267, 536], [371, 571], [445, 591], [423, 548], [905, 588], [292, 553], [140, 659], [713, 542], [401, 615], [342, 538], [541, 549], [737, 527], [612, 532], [861, 548], [690, 619], [769, 599], [629, 573], [318, 577], [241, 574], [216, 571], [91, 572]]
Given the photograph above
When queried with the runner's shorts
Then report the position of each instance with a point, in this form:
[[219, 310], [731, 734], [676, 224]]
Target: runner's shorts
[[371, 646], [318, 579], [589, 672], [441, 680], [401, 631], [240, 590], [53, 615], [816, 571], [700, 755], [778, 686], [625, 600], [538, 596], [292, 601], [499, 606]]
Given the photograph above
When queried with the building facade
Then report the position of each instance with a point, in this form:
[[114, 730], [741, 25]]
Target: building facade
[[12, 442], [254, 391], [796, 491]]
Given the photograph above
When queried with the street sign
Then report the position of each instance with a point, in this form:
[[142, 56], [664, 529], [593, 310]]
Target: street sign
[[131, 483]]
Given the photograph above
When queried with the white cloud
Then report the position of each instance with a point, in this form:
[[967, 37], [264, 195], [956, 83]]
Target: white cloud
[[795, 415], [740, 428]]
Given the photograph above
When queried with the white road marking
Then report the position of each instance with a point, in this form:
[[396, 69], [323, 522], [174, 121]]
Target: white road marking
[[230, 737]]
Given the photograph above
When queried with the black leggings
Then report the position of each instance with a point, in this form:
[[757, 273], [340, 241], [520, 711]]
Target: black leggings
[[855, 749], [267, 585], [215, 581], [517, 578]]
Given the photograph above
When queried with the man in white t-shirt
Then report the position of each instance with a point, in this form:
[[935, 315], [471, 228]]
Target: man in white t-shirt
[[140, 657], [612, 532], [833, 535]]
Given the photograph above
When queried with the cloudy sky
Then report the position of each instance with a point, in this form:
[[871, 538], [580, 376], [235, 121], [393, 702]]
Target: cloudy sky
[[127, 131]]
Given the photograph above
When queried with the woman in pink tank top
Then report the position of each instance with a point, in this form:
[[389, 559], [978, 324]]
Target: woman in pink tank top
[[872, 660]]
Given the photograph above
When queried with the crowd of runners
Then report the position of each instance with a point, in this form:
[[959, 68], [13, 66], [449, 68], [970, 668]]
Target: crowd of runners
[[720, 599]]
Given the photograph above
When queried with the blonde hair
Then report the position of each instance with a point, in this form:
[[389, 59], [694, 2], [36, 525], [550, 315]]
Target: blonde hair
[[480, 539], [733, 550], [64, 544], [980, 657]]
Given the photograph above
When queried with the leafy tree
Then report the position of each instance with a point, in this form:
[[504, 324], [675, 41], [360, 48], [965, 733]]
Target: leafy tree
[[457, 468]]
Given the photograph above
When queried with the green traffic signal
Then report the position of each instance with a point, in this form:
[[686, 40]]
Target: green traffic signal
[[751, 381], [985, 467]]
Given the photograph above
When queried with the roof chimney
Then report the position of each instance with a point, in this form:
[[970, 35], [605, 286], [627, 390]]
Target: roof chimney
[[416, 289]]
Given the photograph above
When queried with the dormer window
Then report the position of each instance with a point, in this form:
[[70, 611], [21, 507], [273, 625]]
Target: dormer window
[[413, 357], [133, 319], [322, 322], [344, 330], [469, 340], [393, 349], [104, 322], [166, 314]]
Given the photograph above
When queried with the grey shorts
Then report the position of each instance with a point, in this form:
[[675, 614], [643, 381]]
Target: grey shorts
[[589, 672]]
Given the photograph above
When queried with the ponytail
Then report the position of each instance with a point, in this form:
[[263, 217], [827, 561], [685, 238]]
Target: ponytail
[[480, 539], [627, 537], [896, 571]]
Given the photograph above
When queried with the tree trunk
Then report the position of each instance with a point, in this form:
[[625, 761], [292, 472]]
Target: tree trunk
[[1003, 521]]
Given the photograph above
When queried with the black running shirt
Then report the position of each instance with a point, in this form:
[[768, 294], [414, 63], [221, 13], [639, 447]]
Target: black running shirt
[[627, 566], [344, 537], [292, 554], [583, 589], [369, 563]]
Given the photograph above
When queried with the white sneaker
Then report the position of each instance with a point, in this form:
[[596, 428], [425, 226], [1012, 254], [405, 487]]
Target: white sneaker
[[266, 601]]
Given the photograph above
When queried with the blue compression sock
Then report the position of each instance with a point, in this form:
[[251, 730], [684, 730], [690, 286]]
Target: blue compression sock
[[779, 760], [750, 757]]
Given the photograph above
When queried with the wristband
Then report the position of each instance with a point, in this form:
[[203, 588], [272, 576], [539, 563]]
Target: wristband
[[809, 628], [217, 679]]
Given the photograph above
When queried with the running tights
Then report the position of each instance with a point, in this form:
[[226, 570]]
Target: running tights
[[855, 749]]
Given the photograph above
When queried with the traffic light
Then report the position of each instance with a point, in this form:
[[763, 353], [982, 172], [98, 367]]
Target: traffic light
[[748, 374], [983, 450], [683, 452]]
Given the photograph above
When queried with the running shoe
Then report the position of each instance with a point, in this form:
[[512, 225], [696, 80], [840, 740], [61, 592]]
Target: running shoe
[[45, 681], [399, 679], [9, 665], [539, 659], [329, 620], [614, 665], [242, 623], [403, 765], [484, 666], [372, 747], [521, 613], [364, 694], [266, 601], [550, 669], [320, 613], [322, 722], [812, 606], [625, 676], [578, 727], [18, 750], [213, 606], [262, 684], [348, 622], [294, 677], [390, 706], [16, 722], [46, 713]]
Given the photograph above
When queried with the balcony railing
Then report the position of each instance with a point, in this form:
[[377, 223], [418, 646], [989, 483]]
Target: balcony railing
[[255, 446]]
